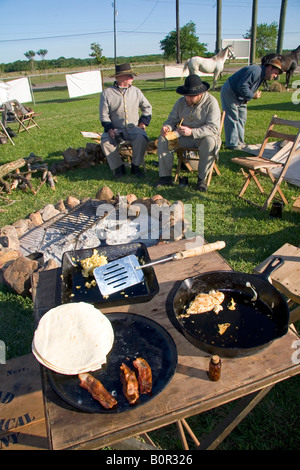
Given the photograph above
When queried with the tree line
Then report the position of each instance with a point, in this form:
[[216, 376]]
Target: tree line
[[189, 47]]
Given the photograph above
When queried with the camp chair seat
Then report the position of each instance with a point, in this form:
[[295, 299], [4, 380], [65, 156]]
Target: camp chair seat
[[182, 157], [255, 163], [183, 160], [261, 165], [27, 121]]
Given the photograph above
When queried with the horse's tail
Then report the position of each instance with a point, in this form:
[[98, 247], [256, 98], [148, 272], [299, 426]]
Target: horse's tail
[[185, 65], [184, 68]]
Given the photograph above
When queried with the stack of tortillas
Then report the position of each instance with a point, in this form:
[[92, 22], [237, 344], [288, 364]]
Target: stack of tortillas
[[73, 338]]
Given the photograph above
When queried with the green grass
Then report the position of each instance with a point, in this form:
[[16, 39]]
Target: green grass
[[250, 234]]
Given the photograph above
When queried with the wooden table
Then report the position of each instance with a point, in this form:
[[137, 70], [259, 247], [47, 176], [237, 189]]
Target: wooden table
[[189, 391], [286, 278]]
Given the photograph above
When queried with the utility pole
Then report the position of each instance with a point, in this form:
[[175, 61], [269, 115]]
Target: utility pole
[[281, 26], [253, 32], [177, 33], [115, 32], [219, 23]]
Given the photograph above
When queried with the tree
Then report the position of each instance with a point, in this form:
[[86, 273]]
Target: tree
[[266, 38], [189, 43], [42, 53], [30, 56], [97, 53]]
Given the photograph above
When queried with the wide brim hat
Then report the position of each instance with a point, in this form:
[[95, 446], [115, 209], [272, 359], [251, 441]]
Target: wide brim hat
[[193, 86], [276, 64], [124, 69]]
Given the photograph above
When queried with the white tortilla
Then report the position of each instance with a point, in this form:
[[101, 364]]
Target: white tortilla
[[73, 338]]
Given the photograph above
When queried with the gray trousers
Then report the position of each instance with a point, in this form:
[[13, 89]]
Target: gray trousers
[[206, 148], [137, 138], [235, 117]]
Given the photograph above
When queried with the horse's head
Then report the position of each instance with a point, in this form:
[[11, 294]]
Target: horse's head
[[231, 54]]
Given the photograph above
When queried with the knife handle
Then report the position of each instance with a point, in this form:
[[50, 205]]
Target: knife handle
[[200, 250]]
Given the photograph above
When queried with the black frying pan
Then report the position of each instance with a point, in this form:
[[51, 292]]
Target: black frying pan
[[261, 313]]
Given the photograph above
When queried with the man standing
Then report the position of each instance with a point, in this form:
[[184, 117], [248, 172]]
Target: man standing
[[120, 107], [196, 119], [240, 88]]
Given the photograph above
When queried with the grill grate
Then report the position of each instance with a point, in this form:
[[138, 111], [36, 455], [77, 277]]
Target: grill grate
[[75, 222]]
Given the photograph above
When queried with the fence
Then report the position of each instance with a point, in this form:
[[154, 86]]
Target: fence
[[82, 82]]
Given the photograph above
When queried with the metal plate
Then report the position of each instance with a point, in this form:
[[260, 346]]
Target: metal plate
[[135, 336], [73, 283]]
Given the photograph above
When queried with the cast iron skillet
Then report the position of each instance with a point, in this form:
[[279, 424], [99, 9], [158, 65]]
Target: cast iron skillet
[[254, 324]]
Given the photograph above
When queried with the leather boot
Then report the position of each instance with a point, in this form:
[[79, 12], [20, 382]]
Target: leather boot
[[164, 181], [120, 171], [201, 186], [135, 170]]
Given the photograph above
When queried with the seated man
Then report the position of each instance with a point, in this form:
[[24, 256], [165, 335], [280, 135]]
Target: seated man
[[119, 115], [196, 119]]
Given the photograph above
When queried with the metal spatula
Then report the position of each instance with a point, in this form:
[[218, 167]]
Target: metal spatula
[[125, 272]]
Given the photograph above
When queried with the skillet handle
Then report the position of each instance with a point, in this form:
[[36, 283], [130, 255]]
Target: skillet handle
[[200, 250], [274, 264]]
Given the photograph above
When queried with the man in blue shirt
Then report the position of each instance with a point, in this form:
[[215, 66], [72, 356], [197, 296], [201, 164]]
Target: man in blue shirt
[[240, 88]]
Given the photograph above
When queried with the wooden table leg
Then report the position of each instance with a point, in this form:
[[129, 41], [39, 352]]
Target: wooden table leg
[[242, 409]]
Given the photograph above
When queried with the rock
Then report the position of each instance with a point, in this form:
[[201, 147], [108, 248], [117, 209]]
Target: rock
[[146, 202], [6, 256], [50, 264], [71, 202], [131, 198], [104, 194], [21, 226], [71, 157], [11, 233], [17, 275], [156, 197], [60, 206], [48, 212], [36, 218]]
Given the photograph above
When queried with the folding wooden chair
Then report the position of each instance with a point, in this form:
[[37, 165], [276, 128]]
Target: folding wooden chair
[[183, 154], [261, 165], [27, 121]]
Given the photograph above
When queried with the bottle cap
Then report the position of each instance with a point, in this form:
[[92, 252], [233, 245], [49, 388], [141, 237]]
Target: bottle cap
[[215, 359]]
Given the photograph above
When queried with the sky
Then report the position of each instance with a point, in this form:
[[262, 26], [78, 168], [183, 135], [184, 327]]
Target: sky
[[68, 28]]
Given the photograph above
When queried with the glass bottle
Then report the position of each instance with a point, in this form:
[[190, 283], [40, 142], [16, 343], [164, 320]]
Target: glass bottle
[[214, 371]]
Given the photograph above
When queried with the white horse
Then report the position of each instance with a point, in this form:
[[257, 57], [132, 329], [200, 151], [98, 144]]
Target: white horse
[[213, 65]]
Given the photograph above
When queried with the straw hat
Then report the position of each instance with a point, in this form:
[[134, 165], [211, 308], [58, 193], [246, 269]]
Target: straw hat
[[276, 64]]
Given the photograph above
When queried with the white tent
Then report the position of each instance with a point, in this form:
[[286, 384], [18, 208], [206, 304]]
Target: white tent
[[84, 83], [18, 89]]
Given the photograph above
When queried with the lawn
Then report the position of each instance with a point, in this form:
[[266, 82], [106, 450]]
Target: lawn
[[250, 234]]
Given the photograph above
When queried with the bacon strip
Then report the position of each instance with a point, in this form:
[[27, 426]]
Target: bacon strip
[[97, 390], [130, 384], [144, 375]]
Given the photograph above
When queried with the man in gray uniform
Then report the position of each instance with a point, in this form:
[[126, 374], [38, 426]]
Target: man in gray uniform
[[120, 107], [195, 118]]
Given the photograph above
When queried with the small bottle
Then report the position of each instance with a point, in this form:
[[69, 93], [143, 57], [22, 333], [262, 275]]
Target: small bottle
[[214, 371]]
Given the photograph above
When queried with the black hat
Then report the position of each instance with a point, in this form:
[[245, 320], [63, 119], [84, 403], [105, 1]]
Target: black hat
[[193, 86], [124, 69]]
